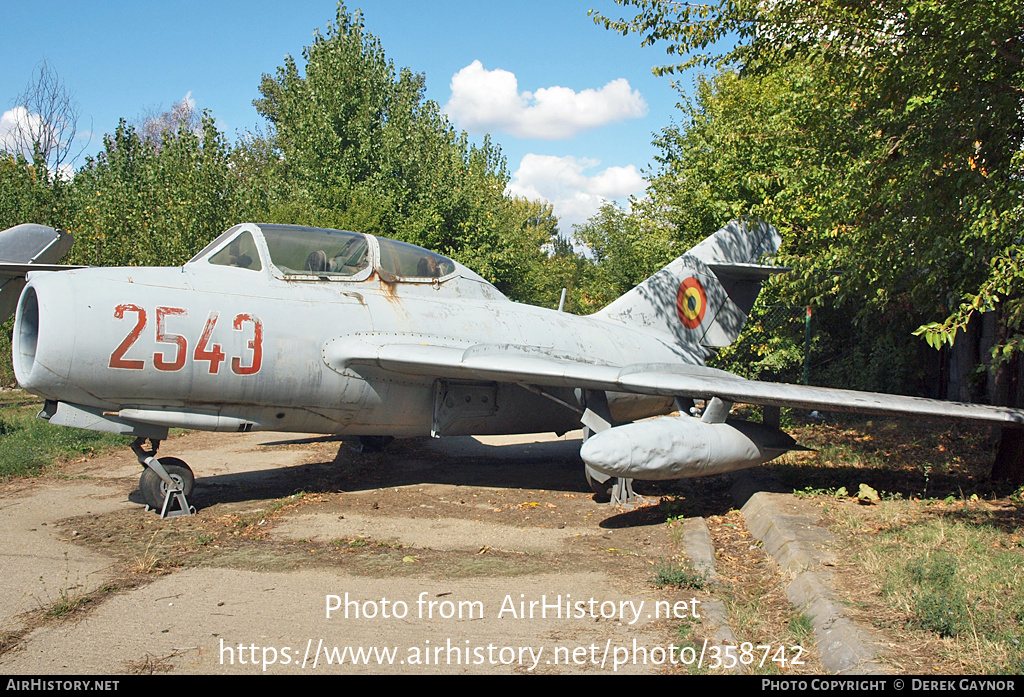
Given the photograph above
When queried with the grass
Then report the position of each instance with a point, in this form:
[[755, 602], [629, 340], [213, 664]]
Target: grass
[[801, 627], [958, 581], [678, 574], [29, 446], [747, 609], [938, 563], [751, 590], [899, 458], [146, 561], [65, 604], [68, 597]]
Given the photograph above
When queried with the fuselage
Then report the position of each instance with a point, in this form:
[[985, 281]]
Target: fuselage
[[229, 346]]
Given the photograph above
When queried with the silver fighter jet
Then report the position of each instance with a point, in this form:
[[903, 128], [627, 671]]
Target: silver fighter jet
[[287, 328]]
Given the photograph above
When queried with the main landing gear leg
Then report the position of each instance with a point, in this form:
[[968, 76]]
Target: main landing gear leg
[[597, 418], [164, 481], [617, 490], [622, 492]]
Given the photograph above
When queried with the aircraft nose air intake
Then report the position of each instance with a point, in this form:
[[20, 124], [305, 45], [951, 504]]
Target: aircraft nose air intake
[[26, 334], [43, 337]]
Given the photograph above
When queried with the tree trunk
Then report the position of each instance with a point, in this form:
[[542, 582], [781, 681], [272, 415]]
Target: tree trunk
[[963, 359], [997, 382], [1009, 464]]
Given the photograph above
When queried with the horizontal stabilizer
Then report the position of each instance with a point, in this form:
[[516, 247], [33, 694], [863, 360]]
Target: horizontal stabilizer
[[24, 248], [745, 272], [34, 244]]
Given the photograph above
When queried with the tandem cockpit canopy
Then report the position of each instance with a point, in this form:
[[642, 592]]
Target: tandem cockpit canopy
[[309, 253]]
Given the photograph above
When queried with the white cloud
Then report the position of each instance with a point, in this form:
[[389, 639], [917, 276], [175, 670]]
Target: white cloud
[[563, 182], [489, 100], [17, 128], [13, 124]]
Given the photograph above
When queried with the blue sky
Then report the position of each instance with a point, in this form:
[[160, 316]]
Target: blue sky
[[493, 66]]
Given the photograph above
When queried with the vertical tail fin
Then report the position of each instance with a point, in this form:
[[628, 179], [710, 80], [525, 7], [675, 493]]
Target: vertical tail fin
[[704, 296]]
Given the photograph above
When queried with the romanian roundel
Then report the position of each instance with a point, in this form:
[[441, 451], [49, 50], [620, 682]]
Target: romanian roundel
[[691, 303]]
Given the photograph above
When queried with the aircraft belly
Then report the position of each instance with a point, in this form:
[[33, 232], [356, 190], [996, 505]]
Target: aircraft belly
[[441, 408], [627, 406], [515, 410], [236, 418], [398, 408]]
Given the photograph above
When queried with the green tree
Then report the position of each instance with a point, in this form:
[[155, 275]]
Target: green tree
[[144, 202], [902, 122], [626, 249], [538, 258], [27, 194], [366, 151]]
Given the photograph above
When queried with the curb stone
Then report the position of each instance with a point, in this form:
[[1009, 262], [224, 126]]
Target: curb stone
[[796, 543], [696, 540]]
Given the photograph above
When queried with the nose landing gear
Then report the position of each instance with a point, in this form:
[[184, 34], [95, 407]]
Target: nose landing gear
[[164, 482]]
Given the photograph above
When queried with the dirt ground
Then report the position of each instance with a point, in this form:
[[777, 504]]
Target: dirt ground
[[460, 555]]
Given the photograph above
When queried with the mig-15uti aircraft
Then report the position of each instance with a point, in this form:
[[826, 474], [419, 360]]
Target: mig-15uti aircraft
[[287, 328]]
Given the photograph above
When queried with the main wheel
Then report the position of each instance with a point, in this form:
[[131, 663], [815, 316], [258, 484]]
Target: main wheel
[[602, 490], [154, 489], [372, 444]]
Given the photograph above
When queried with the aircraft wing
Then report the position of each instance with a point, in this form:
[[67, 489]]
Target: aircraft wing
[[532, 366], [13, 270]]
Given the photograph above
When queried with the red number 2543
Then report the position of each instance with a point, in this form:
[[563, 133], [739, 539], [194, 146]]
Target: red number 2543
[[173, 358]]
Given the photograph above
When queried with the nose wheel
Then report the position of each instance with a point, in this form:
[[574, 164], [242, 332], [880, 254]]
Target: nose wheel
[[166, 483]]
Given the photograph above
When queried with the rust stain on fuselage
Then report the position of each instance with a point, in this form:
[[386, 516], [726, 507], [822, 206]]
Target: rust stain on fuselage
[[387, 286]]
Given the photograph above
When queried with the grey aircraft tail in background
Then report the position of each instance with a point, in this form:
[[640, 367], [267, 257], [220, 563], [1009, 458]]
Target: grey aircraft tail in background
[[23, 248], [288, 328]]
